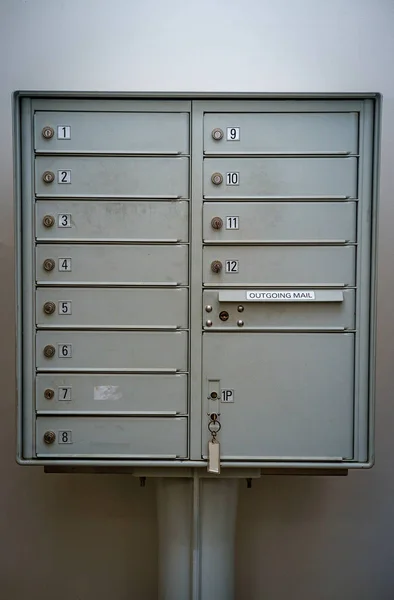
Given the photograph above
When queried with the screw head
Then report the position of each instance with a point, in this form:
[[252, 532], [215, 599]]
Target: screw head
[[240, 323], [217, 178], [48, 132], [208, 308], [49, 351], [49, 394], [240, 308], [217, 223], [49, 308], [49, 264], [48, 221], [49, 437], [208, 323], [216, 266], [48, 177], [217, 134]]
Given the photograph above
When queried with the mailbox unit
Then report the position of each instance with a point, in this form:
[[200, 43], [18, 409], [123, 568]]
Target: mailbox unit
[[188, 259]]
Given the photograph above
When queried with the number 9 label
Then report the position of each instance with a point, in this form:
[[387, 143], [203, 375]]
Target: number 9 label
[[233, 134]]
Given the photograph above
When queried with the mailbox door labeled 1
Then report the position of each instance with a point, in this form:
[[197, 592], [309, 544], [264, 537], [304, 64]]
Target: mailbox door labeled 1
[[281, 396]]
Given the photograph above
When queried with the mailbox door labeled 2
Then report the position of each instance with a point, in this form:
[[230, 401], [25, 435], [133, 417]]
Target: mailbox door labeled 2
[[281, 396]]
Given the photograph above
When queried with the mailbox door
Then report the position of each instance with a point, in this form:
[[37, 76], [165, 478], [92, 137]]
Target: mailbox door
[[292, 394], [113, 437], [131, 221], [121, 176], [112, 308], [282, 133], [281, 177], [95, 393], [127, 132]]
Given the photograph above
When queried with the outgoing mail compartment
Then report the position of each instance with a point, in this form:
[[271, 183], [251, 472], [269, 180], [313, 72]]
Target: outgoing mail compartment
[[278, 310], [281, 177], [113, 437], [280, 265], [123, 265], [128, 220], [121, 176], [282, 133], [292, 394], [280, 221], [111, 351], [111, 308], [118, 132], [112, 393]]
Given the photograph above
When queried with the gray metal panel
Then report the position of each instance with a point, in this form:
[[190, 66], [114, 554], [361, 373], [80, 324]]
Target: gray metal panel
[[112, 220], [112, 393], [125, 265], [282, 221], [281, 265], [113, 351], [123, 308], [114, 437], [127, 132], [283, 132], [273, 177], [96, 177], [293, 394], [281, 315]]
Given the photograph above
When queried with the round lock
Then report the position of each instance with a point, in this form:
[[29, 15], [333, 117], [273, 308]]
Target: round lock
[[240, 308], [216, 266], [48, 133], [49, 394], [208, 308], [223, 315], [49, 308], [217, 223], [208, 323], [49, 351], [49, 437], [214, 395], [48, 177], [217, 178], [49, 264], [48, 221], [217, 134], [240, 323]]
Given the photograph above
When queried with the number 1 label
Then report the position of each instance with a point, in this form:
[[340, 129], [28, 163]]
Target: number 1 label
[[63, 132]]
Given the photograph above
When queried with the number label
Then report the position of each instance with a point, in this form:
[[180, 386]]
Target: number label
[[64, 220], [64, 350], [232, 222], [64, 394], [65, 264], [64, 176], [232, 266], [232, 178], [63, 132], [227, 396], [233, 134], [65, 307], [65, 437]]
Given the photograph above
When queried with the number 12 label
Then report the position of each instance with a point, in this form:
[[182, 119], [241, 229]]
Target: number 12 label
[[232, 266]]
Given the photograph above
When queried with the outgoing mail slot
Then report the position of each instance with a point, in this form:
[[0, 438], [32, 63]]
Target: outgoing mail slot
[[292, 394], [116, 265], [279, 265], [144, 394], [107, 221], [280, 177], [122, 176], [282, 133], [113, 437], [117, 308], [279, 310], [111, 351], [118, 132], [299, 222]]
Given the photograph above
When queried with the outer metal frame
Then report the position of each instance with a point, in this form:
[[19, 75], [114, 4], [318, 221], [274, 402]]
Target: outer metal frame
[[23, 104]]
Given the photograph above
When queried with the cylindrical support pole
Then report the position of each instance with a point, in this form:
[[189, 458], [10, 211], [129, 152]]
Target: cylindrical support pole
[[174, 510], [219, 499]]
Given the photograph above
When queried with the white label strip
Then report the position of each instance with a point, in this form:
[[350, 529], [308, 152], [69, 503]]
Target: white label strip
[[281, 296]]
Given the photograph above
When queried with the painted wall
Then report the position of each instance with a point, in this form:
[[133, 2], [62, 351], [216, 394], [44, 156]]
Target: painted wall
[[87, 537]]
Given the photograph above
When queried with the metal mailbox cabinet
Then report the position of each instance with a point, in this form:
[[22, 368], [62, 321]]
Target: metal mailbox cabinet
[[194, 268]]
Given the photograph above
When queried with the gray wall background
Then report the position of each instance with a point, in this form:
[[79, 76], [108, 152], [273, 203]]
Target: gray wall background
[[87, 537]]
